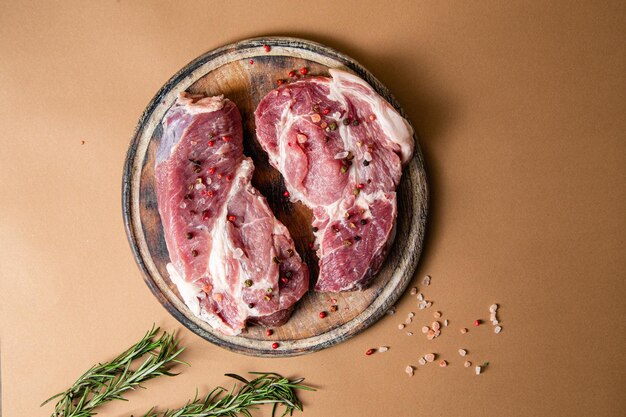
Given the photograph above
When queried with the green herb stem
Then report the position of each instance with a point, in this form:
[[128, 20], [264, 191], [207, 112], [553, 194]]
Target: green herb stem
[[109, 381], [266, 388]]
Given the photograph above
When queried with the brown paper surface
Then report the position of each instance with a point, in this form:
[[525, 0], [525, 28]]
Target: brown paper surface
[[520, 112]]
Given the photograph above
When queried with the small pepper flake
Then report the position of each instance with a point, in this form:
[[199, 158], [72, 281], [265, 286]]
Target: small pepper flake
[[229, 177], [356, 191], [251, 62], [280, 82], [315, 118], [291, 74], [212, 170], [366, 163], [251, 305], [194, 253], [270, 290], [372, 117], [333, 308], [314, 229], [369, 352], [288, 274], [275, 345], [363, 222], [226, 139], [189, 235], [322, 314], [290, 252], [231, 218], [277, 260], [267, 298], [303, 71], [267, 48], [286, 194], [326, 111], [357, 238], [205, 215], [335, 229], [211, 143], [311, 245], [332, 126], [347, 242], [360, 186], [345, 122], [269, 332], [344, 169], [355, 122], [323, 125], [248, 283], [477, 323]]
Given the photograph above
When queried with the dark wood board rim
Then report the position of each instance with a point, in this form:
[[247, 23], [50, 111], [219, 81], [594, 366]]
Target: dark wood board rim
[[416, 176]]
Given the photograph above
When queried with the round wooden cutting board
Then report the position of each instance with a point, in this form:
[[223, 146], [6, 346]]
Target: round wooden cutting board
[[244, 72]]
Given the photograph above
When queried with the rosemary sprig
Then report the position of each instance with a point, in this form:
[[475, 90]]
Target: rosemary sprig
[[266, 388], [110, 380]]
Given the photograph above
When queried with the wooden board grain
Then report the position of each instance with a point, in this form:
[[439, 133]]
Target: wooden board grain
[[244, 72]]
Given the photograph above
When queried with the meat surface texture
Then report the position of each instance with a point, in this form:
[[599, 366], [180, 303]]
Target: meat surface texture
[[340, 148], [231, 259]]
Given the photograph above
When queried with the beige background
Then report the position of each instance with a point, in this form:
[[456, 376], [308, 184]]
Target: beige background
[[520, 109]]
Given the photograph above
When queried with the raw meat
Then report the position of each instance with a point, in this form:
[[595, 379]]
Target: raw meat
[[341, 148], [231, 259]]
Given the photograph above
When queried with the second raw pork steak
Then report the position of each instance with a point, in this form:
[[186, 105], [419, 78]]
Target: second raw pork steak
[[341, 148]]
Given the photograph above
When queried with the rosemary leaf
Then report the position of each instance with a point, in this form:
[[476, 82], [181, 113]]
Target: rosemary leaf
[[109, 381], [266, 388]]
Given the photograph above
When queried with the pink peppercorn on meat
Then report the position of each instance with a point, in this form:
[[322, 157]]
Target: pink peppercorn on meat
[[341, 148], [231, 259]]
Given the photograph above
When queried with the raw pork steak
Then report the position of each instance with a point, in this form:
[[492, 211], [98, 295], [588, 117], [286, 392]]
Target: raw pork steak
[[227, 249], [340, 147]]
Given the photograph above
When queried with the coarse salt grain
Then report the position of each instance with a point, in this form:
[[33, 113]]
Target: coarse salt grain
[[430, 335], [445, 322], [408, 320], [391, 311], [462, 352], [436, 325], [428, 304], [422, 305], [468, 364], [413, 291], [437, 333], [429, 357], [498, 329], [422, 361], [443, 363], [367, 156], [420, 297], [425, 329], [383, 349], [493, 308], [341, 155], [301, 138], [409, 333], [400, 326], [411, 314], [437, 314], [478, 370], [463, 330], [495, 322], [427, 280], [409, 370]]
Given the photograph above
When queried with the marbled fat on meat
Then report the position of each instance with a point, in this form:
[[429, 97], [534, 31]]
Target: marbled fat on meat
[[340, 148], [232, 261]]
